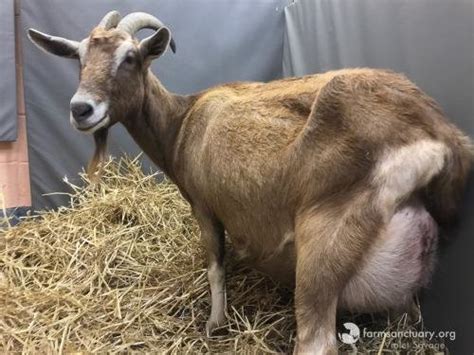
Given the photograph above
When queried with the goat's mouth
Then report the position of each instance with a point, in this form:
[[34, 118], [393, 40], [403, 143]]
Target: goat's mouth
[[93, 126]]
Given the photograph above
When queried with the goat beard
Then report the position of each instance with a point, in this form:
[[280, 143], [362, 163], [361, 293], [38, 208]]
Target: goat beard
[[94, 168]]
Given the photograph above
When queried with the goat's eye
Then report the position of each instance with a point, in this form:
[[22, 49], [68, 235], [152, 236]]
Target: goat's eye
[[130, 59]]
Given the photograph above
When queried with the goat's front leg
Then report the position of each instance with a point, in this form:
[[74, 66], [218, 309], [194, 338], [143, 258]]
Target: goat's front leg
[[212, 234]]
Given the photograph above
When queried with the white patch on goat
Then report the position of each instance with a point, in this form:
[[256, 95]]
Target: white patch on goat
[[120, 54], [97, 120], [83, 50], [322, 342], [400, 172], [288, 237], [216, 277]]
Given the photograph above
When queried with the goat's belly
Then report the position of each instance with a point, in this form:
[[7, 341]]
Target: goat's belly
[[281, 267], [399, 263], [279, 262]]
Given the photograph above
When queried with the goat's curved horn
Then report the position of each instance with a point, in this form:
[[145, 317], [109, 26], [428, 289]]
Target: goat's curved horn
[[134, 22], [110, 20]]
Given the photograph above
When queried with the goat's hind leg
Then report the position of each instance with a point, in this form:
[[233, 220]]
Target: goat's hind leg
[[330, 243], [213, 237]]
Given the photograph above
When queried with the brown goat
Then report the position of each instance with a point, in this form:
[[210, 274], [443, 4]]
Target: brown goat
[[327, 181]]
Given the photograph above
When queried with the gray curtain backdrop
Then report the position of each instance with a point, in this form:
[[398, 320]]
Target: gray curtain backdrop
[[217, 41], [8, 113], [431, 41]]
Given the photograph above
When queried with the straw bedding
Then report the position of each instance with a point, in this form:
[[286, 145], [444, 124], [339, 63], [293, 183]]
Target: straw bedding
[[122, 269]]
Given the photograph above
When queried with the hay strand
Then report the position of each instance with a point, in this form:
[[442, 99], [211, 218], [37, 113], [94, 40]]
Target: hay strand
[[122, 269]]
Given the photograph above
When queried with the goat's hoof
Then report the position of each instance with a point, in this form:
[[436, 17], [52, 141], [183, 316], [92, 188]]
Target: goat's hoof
[[211, 325]]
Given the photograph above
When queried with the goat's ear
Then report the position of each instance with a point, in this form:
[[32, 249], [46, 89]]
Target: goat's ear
[[55, 45], [154, 46]]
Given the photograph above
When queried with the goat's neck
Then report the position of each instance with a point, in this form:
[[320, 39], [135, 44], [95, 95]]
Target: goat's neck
[[157, 126]]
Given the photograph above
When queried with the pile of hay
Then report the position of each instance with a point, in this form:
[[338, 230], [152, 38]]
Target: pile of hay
[[122, 269]]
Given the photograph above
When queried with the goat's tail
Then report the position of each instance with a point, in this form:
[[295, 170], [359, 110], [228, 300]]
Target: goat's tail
[[443, 194]]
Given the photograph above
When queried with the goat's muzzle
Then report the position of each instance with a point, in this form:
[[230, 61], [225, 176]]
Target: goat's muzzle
[[88, 115]]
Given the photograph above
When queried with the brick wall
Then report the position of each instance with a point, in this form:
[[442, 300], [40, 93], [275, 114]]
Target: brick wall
[[14, 171]]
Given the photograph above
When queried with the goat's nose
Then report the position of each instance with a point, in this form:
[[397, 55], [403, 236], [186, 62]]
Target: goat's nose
[[81, 110]]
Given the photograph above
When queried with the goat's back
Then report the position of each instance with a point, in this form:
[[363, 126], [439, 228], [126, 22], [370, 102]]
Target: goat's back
[[257, 154]]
